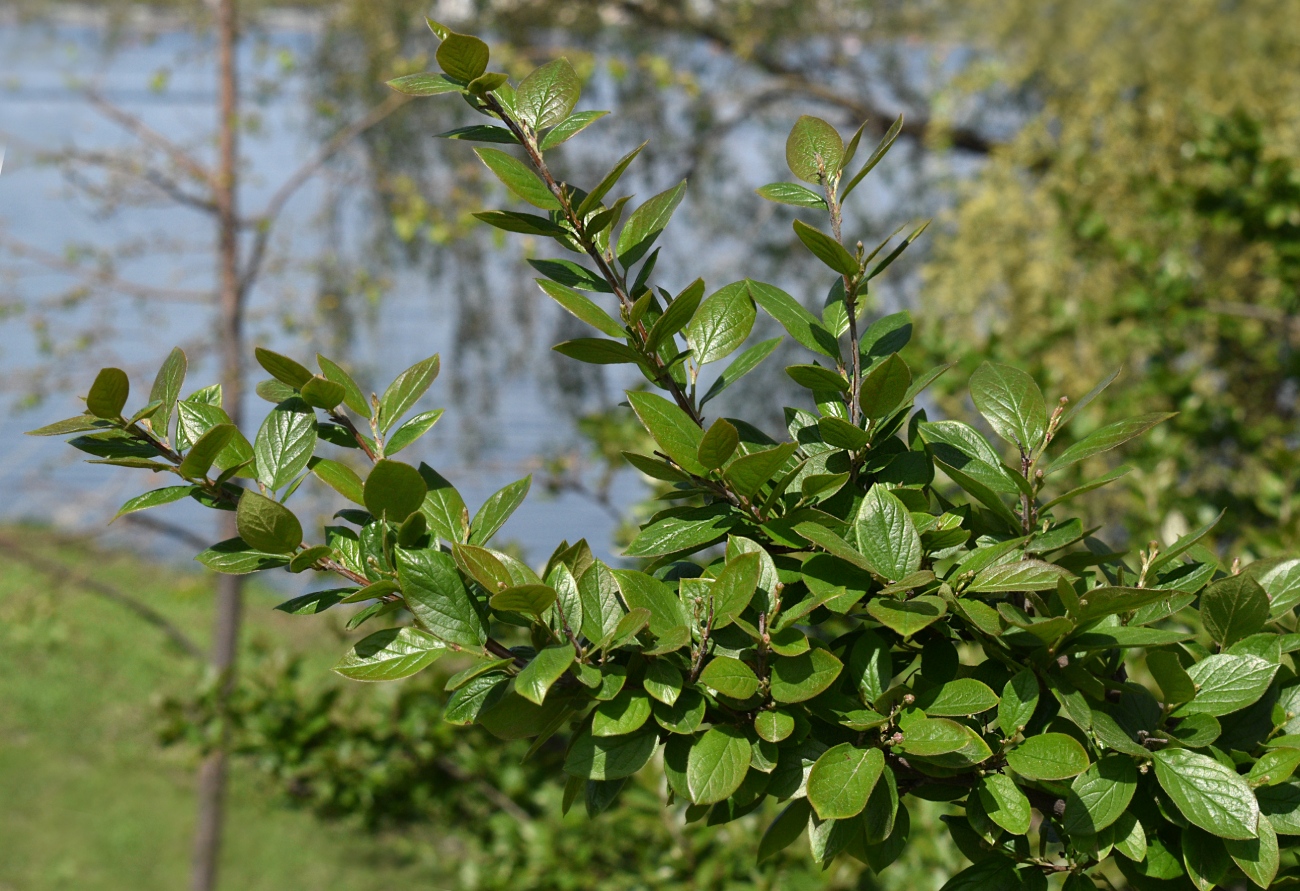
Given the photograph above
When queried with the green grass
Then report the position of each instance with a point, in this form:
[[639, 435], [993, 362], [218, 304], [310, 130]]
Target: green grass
[[88, 799]]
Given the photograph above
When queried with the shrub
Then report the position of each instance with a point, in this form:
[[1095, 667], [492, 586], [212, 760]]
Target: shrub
[[877, 609]]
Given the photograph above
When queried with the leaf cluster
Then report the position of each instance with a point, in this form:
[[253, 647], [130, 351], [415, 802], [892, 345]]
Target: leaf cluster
[[878, 609]]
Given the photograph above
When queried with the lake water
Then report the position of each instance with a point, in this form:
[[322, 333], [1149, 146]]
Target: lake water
[[510, 401]]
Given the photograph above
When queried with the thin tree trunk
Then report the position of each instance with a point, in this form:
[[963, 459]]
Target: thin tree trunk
[[230, 595]]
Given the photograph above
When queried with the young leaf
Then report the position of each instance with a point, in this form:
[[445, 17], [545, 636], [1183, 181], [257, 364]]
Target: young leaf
[[267, 525], [718, 444], [165, 495], [826, 249], [677, 435], [597, 351], [425, 84], [885, 143], [282, 368], [353, 397], [583, 308], [1208, 794], [541, 673], [436, 596], [641, 230], [547, 95], [394, 490], [462, 56], [791, 193], [285, 443], [1107, 438], [887, 537], [412, 430], [167, 390], [676, 317], [814, 150], [885, 388], [405, 391], [569, 128], [390, 655], [108, 394], [497, 509], [594, 197], [800, 324], [1011, 402], [518, 178]]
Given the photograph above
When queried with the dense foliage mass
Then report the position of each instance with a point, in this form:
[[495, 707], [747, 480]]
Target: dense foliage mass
[[876, 610]]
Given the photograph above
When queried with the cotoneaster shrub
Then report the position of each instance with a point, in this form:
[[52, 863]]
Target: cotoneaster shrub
[[875, 610]]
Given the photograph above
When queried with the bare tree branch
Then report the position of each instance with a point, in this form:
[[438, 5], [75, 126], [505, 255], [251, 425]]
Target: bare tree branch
[[61, 573], [264, 223], [129, 122], [102, 278]]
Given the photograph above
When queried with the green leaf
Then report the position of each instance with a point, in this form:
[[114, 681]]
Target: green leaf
[[267, 525], [663, 681], [1106, 438], [876, 155], [412, 430], [791, 193], [165, 495], [481, 133], [462, 56], [750, 473], [1004, 803], [235, 557], [827, 249], [1175, 683], [1049, 756], [646, 223], [1257, 857], [547, 95], [677, 435], [1100, 795], [443, 507], [896, 252], [542, 672], [597, 351], [798, 322], [79, 424], [690, 529], [997, 873], [203, 453], [625, 713], [887, 537], [814, 150], [593, 199], [323, 393], [1011, 402], [870, 666], [353, 397], [842, 779], [282, 368], [957, 698], [1106, 601], [885, 388], [717, 764], [774, 726], [167, 389], [1208, 794], [734, 587], [394, 490], [405, 391], [497, 509], [285, 443], [944, 743], [582, 307], [1018, 702], [782, 832], [436, 596], [641, 591], [799, 678], [425, 84], [676, 316], [523, 223], [1226, 683], [313, 603], [601, 609], [907, 617], [817, 378], [730, 677], [518, 178], [1234, 608], [1022, 575], [390, 655], [569, 128], [535, 599], [108, 394], [609, 757], [718, 444]]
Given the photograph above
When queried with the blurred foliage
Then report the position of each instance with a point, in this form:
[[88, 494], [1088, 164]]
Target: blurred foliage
[[484, 814], [1146, 215]]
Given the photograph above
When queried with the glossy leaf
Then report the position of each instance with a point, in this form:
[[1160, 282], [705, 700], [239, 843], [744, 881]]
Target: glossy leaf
[[1011, 402], [547, 95], [1208, 794], [390, 655], [266, 525], [1049, 756], [842, 779], [285, 443], [717, 764]]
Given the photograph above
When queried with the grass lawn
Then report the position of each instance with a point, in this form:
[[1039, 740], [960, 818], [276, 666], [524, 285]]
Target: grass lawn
[[88, 799]]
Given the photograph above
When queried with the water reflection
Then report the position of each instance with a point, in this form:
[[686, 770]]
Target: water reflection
[[344, 282]]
